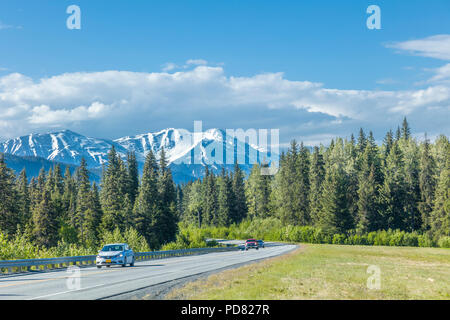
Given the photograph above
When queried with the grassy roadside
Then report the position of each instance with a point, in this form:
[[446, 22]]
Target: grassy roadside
[[331, 272]]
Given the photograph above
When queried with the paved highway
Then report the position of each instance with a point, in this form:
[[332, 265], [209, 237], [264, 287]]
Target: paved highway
[[106, 282]]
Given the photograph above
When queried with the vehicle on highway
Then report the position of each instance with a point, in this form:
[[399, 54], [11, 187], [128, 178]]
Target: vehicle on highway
[[261, 244], [251, 244], [115, 254]]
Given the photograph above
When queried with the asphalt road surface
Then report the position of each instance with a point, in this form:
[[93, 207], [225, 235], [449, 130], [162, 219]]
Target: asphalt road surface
[[91, 283]]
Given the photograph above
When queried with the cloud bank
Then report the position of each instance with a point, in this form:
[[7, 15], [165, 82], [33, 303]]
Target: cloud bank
[[437, 46], [112, 104]]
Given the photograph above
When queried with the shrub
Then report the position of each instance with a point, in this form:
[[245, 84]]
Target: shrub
[[130, 236], [338, 239], [425, 241], [444, 242]]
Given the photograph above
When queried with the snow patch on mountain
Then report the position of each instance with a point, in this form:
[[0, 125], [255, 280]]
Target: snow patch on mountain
[[190, 152]]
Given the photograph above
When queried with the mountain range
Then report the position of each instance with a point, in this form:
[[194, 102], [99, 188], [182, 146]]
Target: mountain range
[[188, 153]]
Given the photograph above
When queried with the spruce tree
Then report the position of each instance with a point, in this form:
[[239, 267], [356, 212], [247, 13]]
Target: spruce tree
[[113, 194], [58, 187], [57, 192], [362, 141], [393, 192], [316, 178], [239, 210], [24, 201], [302, 186], [9, 213], [195, 204], [210, 198], [352, 165], [168, 218], [398, 134], [368, 218], [411, 167], [405, 131], [147, 207], [334, 215], [32, 192], [133, 176], [427, 184], [180, 195], [40, 186], [69, 199], [388, 142], [293, 181], [92, 217], [251, 191], [45, 224], [83, 199], [440, 216], [224, 190]]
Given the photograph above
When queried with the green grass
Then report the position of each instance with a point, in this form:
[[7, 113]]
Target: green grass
[[332, 272]]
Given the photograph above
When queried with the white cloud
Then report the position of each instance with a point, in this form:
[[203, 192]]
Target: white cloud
[[441, 74], [169, 67], [44, 115], [197, 62], [8, 26], [111, 104], [437, 47], [387, 81]]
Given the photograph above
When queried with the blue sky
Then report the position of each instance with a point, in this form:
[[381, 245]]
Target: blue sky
[[323, 43]]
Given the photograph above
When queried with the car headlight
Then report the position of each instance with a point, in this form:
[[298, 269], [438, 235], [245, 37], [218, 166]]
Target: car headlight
[[120, 255]]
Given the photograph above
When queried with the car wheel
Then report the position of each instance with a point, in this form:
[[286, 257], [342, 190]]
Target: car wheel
[[98, 267], [132, 263], [108, 266]]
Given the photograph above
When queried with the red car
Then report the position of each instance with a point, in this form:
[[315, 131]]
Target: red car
[[251, 244]]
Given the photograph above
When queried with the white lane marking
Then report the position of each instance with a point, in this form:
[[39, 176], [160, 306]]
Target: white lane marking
[[99, 285], [58, 293], [45, 279]]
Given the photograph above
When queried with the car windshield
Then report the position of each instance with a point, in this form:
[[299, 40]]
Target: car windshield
[[113, 248]]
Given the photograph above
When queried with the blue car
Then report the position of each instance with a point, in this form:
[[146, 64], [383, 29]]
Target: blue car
[[115, 254]]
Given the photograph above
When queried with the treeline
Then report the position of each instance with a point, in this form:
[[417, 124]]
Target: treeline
[[351, 187], [55, 209], [272, 229], [343, 192]]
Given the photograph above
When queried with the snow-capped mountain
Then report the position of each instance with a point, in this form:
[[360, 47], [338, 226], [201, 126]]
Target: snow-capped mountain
[[62, 146], [188, 153]]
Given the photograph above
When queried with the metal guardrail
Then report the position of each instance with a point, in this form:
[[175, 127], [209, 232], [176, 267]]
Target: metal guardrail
[[17, 266]]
